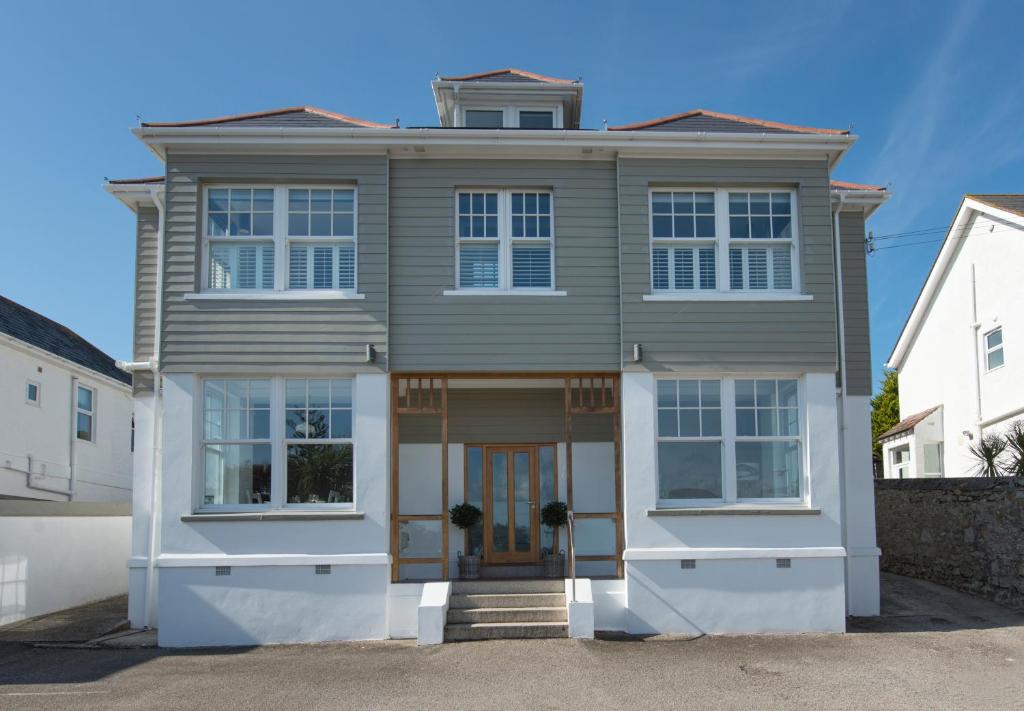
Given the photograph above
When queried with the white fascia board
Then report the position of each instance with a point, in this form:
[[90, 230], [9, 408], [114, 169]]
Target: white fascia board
[[438, 141], [866, 200], [135, 195]]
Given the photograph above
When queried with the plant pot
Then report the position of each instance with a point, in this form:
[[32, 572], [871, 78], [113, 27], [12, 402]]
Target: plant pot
[[554, 565], [469, 567]]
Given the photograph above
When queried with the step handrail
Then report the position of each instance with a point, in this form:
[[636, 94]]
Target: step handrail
[[572, 554]]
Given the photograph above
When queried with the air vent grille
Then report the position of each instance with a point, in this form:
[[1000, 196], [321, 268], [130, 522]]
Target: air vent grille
[[783, 563], [687, 564], [222, 570], [322, 569]]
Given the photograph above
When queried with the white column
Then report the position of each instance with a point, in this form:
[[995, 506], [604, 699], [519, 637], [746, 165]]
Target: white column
[[862, 585], [639, 449], [142, 485]]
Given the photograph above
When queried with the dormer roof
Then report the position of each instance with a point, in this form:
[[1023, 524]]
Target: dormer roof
[[510, 75], [507, 87]]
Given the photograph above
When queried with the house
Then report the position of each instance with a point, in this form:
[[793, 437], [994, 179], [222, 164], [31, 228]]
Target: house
[[344, 328], [66, 417], [959, 378]]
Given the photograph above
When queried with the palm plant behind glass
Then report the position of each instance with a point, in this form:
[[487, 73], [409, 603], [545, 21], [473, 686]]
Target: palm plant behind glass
[[1015, 445], [988, 455]]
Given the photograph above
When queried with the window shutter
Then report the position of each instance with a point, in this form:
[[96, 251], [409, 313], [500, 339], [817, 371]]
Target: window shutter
[[707, 268], [683, 263], [297, 270], [757, 268], [782, 268], [659, 260], [323, 271], [478, 266], [346, 266], [531, 266]]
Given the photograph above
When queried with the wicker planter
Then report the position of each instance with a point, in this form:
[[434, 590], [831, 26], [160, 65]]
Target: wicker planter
[[469, 567], [554, 565]]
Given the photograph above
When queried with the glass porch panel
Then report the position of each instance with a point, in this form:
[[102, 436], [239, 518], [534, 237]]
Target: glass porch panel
[[596, 569], [499, 502], [593, 476], [548, 486], [419, 539], [419, 571], [419, 479], [475, 496], [522, 503], [594, 536]]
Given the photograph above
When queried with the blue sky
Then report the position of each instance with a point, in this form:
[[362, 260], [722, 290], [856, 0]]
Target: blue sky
[[931, 87]]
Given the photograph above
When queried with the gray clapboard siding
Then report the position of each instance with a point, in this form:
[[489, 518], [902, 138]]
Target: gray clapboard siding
[[747, 335], [288, 336], [147, 225], [430, 331], [855, 303], [504, 415]]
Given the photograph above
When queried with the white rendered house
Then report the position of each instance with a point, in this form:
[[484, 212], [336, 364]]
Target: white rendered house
[[65, 414], [344, 328], [958, 358]]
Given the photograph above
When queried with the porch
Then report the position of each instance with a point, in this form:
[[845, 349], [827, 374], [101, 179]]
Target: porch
[[509, 444]]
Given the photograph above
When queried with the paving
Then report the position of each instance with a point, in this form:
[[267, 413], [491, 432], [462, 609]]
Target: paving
[[932, 648], [73, 625]]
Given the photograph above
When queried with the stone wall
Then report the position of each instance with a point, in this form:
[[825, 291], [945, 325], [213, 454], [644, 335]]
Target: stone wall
[[966, 534]]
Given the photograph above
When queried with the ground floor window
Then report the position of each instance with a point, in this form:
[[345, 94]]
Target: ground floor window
[[277, 441], [729, 439]]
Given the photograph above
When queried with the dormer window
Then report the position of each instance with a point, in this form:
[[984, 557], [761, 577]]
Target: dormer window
[[481, 118], [536, 119], [526, 117]]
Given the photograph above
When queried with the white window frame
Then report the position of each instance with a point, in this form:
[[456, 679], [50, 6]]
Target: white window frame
[[505, 242], [722, 243], [989, 350], [37, 402], [721, 439], [91, 413], [901, 468], [510, 113], [281, 242], [278, 446], [729, 440]]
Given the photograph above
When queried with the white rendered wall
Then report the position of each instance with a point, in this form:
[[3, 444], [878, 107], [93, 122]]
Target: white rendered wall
[[939, 367], [142, 491], [43, 433], [735, 587], [49, 562], [862, 584], [272, 594]]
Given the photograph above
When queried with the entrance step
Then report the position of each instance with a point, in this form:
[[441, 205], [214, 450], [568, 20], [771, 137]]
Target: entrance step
[[507, 614], [466, 587], [505, 630], [492, 600], [511, 571]]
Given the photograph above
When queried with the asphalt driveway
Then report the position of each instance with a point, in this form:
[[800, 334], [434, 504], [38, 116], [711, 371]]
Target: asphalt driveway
[[933, 648]]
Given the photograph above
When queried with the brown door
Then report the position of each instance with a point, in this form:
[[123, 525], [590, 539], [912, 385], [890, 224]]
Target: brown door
[[511, 515]]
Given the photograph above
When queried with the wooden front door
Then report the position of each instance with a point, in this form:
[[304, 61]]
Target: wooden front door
[[511, 513]]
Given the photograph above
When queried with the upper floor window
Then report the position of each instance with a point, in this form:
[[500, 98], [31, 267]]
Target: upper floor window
[[994, 349], [525, 117], [728, 440], [536, 119], [267, 238], [505, 240], [481, 118], [696, 234], [32, 392], [85, 414]]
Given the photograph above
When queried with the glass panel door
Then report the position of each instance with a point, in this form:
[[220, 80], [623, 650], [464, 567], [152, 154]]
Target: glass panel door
[[511, 514]]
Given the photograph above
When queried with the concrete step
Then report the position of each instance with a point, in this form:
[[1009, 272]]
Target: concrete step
[[511, 571], [507, 614], [491, 600], [505, 630], [466, 587]]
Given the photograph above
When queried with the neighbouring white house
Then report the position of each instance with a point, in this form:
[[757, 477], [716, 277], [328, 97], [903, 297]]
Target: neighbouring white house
[[65, 414], [960, 357], [344, 328]]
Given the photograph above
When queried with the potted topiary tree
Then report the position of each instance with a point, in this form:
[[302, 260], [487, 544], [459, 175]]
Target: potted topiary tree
[[554, 515], [465, 516]]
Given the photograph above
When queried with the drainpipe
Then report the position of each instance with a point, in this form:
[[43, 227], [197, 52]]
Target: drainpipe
[[975, 327], [841, 328], [153, 366]]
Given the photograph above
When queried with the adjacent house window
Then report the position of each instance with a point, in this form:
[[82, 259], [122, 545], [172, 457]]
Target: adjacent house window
[[722, 240], [900, 462], [994, 349], [318, 438], [728, 440], [278, 441], [32, 392], [267, 238], [505, 240], [85, 414]]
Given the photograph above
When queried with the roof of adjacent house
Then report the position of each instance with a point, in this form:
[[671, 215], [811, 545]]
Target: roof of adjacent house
[[36, 330], [907, 423], [292, 116], [515, 75], [845, 185], [702, 120], [152, 180], [1009, 202]]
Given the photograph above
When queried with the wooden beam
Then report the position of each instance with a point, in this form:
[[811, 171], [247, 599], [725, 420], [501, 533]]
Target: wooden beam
[[393, 407], [617, 438], [444, 476], [568, 442]]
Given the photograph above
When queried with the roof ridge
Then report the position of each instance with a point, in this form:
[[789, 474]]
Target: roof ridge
[[509, 70], [994, 194], [732, 117], [856, 186], [132, 181], [264, 114]]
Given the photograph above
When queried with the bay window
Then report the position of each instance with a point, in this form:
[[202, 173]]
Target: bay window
[[266, 239], [722, 240], [505, 240], [728, 440], [273, 442]]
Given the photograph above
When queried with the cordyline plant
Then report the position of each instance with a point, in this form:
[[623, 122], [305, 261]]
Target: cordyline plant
[[988, 453], [1015, 448]]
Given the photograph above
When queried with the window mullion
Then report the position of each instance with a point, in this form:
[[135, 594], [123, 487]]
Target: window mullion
[[505, 237], [722, 281], [278, 451], [728, 399], [280, 238]]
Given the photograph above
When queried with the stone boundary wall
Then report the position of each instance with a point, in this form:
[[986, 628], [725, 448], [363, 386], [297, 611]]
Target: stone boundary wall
[[967, 534]]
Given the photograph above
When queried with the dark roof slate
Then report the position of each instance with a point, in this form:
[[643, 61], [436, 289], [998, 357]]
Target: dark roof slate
[[290, 117], [704, 121], [907, 424], [37, 330], [509, 75], [1010, 203]]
